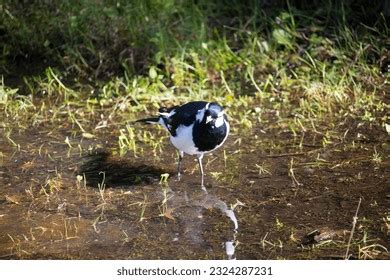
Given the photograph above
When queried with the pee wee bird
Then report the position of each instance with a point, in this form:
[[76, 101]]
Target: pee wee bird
[[196, 128]]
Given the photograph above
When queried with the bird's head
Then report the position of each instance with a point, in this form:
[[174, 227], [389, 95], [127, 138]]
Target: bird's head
[[214, 114]]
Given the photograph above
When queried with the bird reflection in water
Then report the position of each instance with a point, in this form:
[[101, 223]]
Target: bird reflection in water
[[189, 206]]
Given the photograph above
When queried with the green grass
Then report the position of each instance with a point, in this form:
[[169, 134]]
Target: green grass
[[113, 54]]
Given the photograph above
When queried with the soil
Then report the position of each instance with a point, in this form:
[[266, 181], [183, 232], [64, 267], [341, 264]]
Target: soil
[[291, 199]]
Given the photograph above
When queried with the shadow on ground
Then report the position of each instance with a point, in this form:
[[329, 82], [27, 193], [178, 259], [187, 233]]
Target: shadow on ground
[[100, 167]]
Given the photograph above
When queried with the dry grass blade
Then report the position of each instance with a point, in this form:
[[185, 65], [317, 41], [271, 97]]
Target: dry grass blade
[[353, 229]]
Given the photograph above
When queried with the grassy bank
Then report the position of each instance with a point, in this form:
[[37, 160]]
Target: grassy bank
[[315, 61]]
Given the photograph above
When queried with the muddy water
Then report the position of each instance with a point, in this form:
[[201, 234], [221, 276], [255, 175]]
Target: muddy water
[[269, 196]]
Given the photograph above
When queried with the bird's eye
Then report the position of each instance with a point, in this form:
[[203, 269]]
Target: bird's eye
[[212, 114]]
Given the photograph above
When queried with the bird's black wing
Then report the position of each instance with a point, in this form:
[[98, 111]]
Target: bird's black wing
[[185, 115]]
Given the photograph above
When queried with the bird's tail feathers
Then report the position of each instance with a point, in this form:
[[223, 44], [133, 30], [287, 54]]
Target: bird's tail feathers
[[149, 120]]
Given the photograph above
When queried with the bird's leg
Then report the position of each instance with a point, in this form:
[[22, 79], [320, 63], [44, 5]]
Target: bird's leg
[[200, 157], [181, 155]]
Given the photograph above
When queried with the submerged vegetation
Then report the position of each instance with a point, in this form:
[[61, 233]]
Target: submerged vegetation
[[306, 87]]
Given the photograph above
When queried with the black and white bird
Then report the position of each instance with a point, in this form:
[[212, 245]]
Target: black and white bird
[[196, 128]]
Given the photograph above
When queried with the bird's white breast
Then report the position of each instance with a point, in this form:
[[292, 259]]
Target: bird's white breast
[[183, 140]]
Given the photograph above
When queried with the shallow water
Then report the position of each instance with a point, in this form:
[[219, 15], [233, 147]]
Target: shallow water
[[267, 197]]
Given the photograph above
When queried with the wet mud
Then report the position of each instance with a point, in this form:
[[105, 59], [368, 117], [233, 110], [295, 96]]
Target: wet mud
[[270, 195]]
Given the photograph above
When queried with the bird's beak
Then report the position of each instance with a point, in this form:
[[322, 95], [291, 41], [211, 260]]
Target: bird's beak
[[208, 119]]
